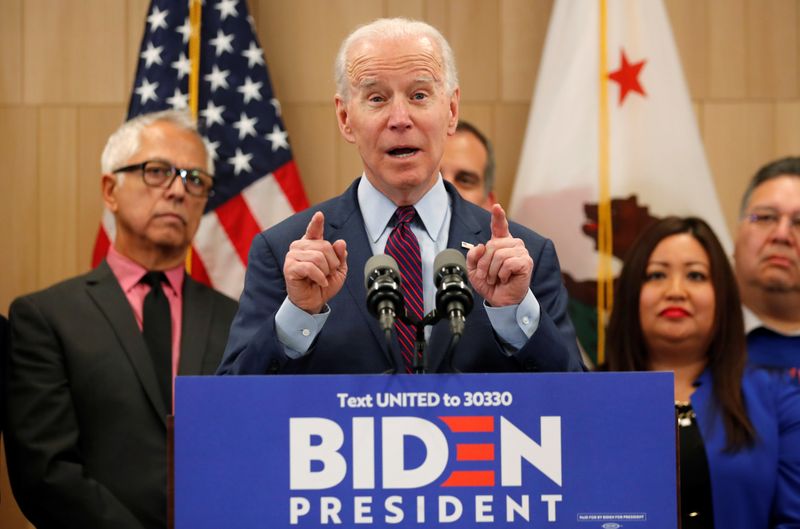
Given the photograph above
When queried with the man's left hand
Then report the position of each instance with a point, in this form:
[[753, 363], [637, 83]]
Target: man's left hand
[[500, 270]]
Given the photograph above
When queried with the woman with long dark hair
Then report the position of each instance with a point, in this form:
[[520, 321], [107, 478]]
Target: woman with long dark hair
[[677, 309]]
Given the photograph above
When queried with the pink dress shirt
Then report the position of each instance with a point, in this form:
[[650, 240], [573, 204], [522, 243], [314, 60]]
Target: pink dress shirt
[[129, 274]]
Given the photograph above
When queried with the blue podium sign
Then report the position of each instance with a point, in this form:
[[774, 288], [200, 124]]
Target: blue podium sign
[[594, 450]]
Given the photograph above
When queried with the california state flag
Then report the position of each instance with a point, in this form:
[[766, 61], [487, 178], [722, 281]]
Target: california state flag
[[611, 145]]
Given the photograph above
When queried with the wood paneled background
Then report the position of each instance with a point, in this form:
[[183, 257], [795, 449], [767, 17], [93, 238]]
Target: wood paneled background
[[66, 68]]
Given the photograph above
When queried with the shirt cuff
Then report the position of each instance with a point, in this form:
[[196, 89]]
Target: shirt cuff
[[297, 329], [515, 324]]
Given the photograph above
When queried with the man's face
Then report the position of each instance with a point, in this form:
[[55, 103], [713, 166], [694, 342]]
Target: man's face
[[398, 114], [464, 166], [161, 219], [767, 253]]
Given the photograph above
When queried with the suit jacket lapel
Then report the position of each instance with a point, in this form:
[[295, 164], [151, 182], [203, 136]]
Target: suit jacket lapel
[[195, 327], [464, 227], [346, 223], [103, 287]]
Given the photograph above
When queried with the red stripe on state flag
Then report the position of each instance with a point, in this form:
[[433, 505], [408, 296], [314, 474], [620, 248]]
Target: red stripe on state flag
[[101, 245], [478, 423], [239, 224], [288, 178]]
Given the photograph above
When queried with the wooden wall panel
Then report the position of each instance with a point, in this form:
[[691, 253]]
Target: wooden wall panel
[[476, 50], [405, 8], [253, 7], [58, 193], [301, 58], [437, 13], [523, 28], [511, 120], [19, 192], [479, 114], [739, 138], [348, 165], [74, 51], [136, 15], [787, 128], [95, 124], [313, 137], [10, 51], [689, 20], [772, 67], [726, 48]]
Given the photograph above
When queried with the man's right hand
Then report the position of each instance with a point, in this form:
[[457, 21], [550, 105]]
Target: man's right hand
[[315, 269]]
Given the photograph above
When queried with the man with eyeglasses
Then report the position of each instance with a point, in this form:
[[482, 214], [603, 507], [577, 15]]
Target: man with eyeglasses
[[767, 263], [93, 360]]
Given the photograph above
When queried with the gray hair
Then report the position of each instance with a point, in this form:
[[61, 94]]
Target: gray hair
[[125, 141], [394, 28], [789, 166]]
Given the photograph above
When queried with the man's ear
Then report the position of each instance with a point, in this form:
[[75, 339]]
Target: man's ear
[[108, 187], [453, 118], [343, 119]]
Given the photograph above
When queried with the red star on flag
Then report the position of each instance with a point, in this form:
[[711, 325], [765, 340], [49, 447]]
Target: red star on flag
[[628, 77]]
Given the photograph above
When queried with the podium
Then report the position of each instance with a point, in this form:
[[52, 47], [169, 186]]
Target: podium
[[561, 450]]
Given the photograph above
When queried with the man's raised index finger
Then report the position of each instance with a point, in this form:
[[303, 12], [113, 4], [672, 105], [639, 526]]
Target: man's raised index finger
[[499, 222], [316, 228]]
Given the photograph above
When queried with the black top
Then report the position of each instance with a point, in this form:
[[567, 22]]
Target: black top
[[696, 504]]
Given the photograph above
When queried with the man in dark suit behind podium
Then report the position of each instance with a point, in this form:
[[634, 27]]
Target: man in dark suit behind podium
[[89, 383], [303, 307]]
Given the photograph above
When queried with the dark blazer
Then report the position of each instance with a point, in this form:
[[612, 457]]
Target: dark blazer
[[86, 433], [5, 343], [351, 340]]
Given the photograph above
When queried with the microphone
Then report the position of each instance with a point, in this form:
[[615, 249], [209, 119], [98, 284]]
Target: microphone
[[384, 297], [453, 294]]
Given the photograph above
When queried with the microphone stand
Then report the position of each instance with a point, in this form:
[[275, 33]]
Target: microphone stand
[[420, 362]]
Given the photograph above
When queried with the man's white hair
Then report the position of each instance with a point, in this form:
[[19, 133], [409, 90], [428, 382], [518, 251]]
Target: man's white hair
[[125, 141], [394, 28]]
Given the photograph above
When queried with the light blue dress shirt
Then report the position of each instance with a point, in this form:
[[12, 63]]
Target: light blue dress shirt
[[513, 324]]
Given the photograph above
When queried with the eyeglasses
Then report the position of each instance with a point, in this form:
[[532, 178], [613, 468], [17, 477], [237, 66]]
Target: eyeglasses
[[161, 174], [768, 220]]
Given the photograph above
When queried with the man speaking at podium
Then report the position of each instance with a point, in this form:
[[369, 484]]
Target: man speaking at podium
[[303, 308]]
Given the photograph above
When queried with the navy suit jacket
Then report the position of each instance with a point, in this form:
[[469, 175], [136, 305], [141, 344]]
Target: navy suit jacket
[[351, 340]]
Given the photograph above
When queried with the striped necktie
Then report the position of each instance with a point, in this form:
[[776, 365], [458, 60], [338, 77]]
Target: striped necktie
[[404, 247]]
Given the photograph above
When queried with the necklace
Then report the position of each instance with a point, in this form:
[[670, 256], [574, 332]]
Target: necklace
[[685, 413]]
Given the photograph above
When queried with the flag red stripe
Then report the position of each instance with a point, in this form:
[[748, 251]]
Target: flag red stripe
[[478, 423], [470, 478], [288, 177], [239, 224], [474, 452], [199, 272], [101, 245]]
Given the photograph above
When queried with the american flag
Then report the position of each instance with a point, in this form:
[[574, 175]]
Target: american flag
[[257, 183]]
